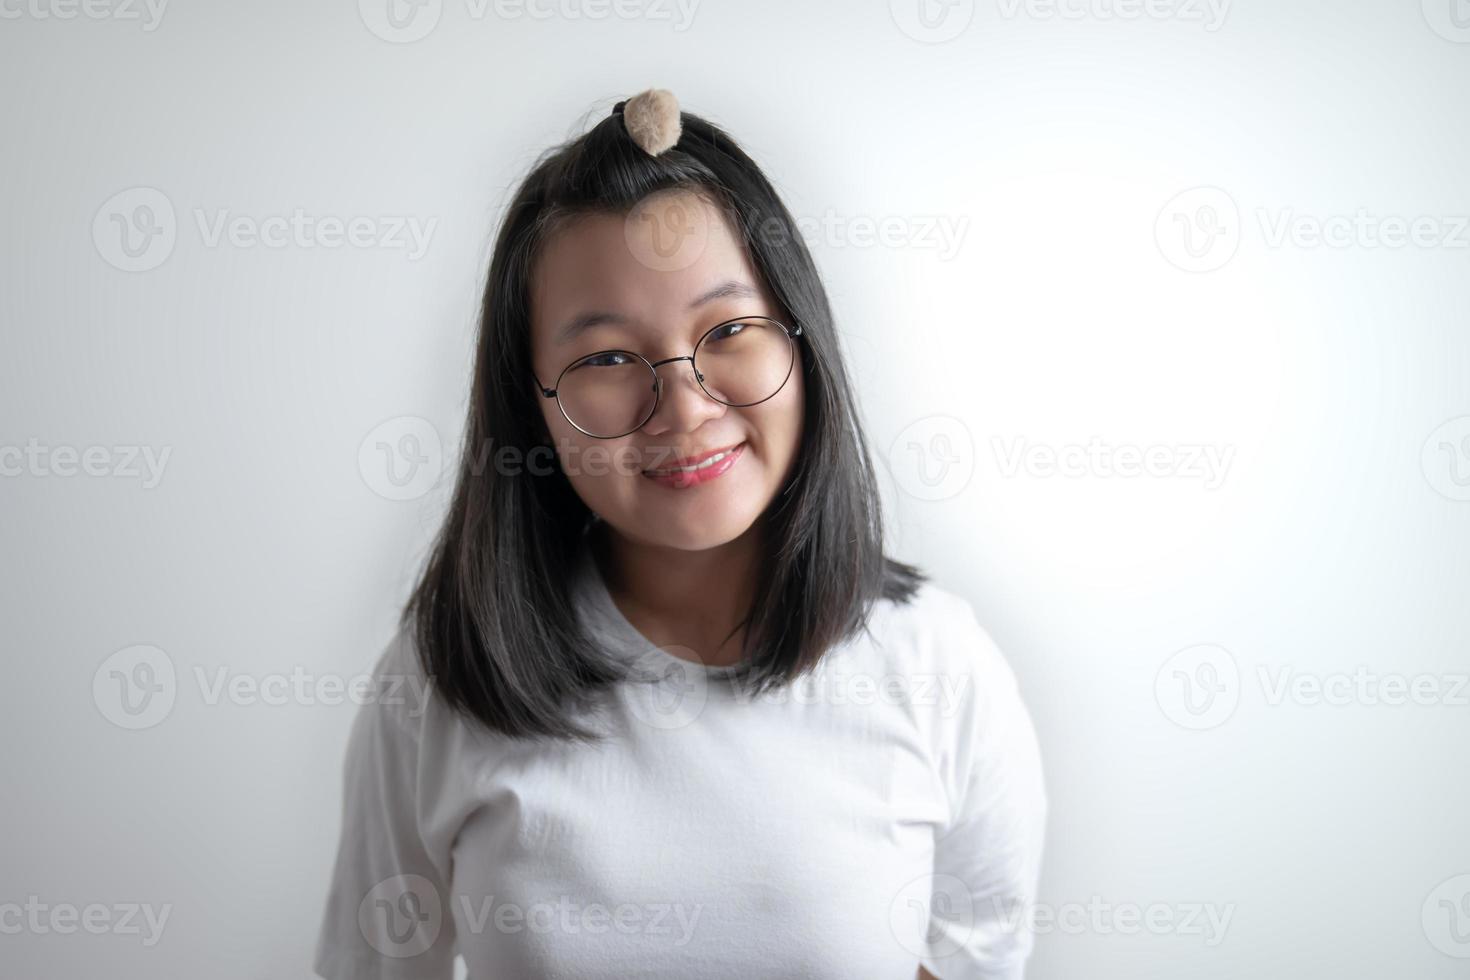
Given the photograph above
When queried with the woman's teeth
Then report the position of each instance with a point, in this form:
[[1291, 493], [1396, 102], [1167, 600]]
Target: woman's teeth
[[698, 466]]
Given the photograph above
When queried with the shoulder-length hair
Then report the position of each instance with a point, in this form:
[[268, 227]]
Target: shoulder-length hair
[[491, 615]]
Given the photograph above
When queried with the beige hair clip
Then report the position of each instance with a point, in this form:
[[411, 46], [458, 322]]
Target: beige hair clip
[[652, 119]]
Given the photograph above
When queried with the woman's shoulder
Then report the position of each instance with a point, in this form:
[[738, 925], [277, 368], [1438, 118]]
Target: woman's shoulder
[[397, 685], [937, 629], [399, 654]]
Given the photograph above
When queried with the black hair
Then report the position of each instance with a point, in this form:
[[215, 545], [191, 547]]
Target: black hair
[[491, 615]]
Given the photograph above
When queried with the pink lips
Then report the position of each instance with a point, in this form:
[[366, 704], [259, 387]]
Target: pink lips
[[685, 479]]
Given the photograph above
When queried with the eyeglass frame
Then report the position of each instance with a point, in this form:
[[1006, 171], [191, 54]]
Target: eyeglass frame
[[658, 386]]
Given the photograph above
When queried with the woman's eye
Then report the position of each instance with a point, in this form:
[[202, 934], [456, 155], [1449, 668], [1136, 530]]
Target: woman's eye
[[611, 359], [726, 330]]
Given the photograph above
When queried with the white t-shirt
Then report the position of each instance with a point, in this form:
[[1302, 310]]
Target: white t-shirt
[[887, 808]]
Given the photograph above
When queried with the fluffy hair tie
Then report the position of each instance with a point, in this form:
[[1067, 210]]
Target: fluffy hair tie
[[652, 119]]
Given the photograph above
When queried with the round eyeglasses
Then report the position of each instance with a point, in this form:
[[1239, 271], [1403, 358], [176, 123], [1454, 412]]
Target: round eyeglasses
[[740, 362]]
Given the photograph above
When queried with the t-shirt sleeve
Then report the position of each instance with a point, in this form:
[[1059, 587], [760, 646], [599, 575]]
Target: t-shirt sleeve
[[387, 913], [988, 860]]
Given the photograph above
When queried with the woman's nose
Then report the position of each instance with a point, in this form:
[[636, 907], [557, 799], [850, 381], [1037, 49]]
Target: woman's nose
[[681, 398]]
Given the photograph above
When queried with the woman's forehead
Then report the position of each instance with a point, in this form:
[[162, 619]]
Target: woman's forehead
[[630, 266]]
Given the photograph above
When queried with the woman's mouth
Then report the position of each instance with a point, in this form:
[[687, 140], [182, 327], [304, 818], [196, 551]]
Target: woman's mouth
[[710, 468]]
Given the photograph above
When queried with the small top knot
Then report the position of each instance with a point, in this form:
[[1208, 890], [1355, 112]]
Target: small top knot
[[652, 119]]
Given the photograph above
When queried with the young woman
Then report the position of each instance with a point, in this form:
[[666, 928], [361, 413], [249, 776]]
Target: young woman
[[660, 705]]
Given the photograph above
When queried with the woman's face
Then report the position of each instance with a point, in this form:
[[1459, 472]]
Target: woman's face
[[654, 282]]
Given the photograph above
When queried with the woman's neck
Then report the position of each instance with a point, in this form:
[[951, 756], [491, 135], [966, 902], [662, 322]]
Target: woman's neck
[[677, 598]]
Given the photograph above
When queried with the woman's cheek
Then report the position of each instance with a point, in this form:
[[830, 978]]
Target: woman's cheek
[[601, 473]]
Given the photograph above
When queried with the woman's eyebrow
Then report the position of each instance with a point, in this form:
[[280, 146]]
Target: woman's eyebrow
[[585, 321], [725, 290]]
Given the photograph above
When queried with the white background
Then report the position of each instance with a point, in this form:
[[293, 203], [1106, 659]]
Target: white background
[[1094, 296]]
